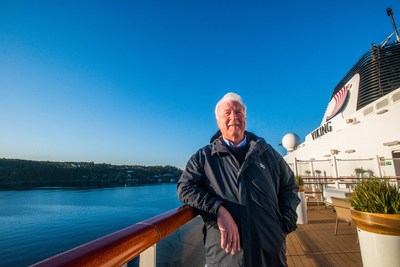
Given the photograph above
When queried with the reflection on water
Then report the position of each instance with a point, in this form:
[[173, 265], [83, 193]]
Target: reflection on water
[[36, 224]]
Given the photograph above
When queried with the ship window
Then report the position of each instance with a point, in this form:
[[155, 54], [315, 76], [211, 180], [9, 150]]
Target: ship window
[[382, 103], [368, 110], [396, 97]]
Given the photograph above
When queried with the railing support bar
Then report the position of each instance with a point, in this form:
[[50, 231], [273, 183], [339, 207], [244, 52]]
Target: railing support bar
[[148, 257], [335, 169], [378, 166], [295, 167]]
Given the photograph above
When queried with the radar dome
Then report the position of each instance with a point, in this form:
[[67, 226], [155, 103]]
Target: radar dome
[[290, 141]]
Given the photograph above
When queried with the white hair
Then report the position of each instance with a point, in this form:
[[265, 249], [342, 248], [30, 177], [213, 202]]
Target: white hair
[[230, 97]]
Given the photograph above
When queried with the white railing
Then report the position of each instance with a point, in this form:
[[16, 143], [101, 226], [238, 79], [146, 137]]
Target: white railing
[[336, 167]]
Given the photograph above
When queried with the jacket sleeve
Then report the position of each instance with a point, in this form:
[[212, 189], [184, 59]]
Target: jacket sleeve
[[287, 195], [191, 186]]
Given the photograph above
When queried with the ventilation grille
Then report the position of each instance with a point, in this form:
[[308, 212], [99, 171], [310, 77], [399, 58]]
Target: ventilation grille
[[379, 71]]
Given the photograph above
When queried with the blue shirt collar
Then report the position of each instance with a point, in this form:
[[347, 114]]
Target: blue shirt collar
[[230, 144]]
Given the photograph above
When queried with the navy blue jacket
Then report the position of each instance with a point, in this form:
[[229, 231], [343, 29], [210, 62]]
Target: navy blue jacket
[[261, 196]]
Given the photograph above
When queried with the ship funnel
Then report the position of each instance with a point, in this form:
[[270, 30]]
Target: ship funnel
[[390, 14]]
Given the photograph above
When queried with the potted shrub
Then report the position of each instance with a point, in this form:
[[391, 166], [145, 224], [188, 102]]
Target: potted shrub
[[360, 172], [302, 207], [376, 213]]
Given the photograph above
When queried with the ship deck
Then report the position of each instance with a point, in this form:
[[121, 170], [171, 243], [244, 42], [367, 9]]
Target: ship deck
[[311, 245], [315, 244]]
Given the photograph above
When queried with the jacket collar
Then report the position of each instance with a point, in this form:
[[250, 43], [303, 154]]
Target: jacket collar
[[218, 146]]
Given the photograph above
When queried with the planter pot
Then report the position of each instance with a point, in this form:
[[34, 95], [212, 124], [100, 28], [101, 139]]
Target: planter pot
[[379, 238], [302, 209]]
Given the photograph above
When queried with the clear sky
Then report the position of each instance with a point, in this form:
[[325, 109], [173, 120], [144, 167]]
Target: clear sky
[[136, 82]]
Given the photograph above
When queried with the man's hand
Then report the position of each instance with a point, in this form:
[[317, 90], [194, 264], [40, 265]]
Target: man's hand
[[230, 239]]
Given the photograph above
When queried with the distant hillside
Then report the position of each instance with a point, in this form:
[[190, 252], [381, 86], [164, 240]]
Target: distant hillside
[[26, 173]]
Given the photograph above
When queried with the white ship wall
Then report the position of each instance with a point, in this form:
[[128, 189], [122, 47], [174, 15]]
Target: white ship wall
[[363, 139]]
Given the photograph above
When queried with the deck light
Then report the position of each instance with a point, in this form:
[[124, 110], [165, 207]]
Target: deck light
[[382, 111], [392, 143], [334, 151]]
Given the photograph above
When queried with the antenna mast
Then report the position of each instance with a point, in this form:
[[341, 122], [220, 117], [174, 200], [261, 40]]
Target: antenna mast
[[390, 14]]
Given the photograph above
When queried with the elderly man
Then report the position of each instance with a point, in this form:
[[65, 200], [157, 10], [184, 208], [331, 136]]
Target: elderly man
[[244, 191]]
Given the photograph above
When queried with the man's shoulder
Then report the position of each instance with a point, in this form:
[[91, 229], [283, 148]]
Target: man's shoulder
[[204, 150], [262, 146], [211, 149]]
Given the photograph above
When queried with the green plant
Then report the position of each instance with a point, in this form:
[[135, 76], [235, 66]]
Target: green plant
[[359, 172], [300, 183], [376, 196]]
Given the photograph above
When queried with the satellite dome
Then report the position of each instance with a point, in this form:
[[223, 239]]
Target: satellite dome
[[290, 141]]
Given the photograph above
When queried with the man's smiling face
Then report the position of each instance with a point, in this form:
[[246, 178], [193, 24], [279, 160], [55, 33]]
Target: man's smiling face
[[231, 121]]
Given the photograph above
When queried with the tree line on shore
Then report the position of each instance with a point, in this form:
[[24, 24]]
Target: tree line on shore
[[28, 173]]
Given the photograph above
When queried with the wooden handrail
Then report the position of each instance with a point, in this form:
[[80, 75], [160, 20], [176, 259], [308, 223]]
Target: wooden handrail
[[124, 245]]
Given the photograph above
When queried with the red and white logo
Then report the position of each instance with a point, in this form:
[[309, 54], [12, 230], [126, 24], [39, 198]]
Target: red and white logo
[[338, 101]]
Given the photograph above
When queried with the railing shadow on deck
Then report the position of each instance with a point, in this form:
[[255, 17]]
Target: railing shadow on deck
[[118, 248]]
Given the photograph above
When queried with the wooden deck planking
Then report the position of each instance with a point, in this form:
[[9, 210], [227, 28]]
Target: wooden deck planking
[[315, 244]]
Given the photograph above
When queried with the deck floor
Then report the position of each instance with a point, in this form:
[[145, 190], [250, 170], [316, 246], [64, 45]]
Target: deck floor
[[315, 244], [311, 245]]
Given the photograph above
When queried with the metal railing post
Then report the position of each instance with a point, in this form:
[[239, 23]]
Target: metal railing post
[[335, 170], [378, 164], [312, 168]]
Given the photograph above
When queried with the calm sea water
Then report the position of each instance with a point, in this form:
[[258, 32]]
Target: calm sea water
[[36, 224]]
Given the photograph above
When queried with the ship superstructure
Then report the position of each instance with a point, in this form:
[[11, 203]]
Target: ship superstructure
[[360, 129]]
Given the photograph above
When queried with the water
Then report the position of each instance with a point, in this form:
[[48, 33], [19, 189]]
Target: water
[[36, 224]]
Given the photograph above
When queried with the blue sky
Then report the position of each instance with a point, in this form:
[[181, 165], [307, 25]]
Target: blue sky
[[136, 82]]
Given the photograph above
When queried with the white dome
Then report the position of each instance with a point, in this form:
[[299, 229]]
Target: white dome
[[290, 141]]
